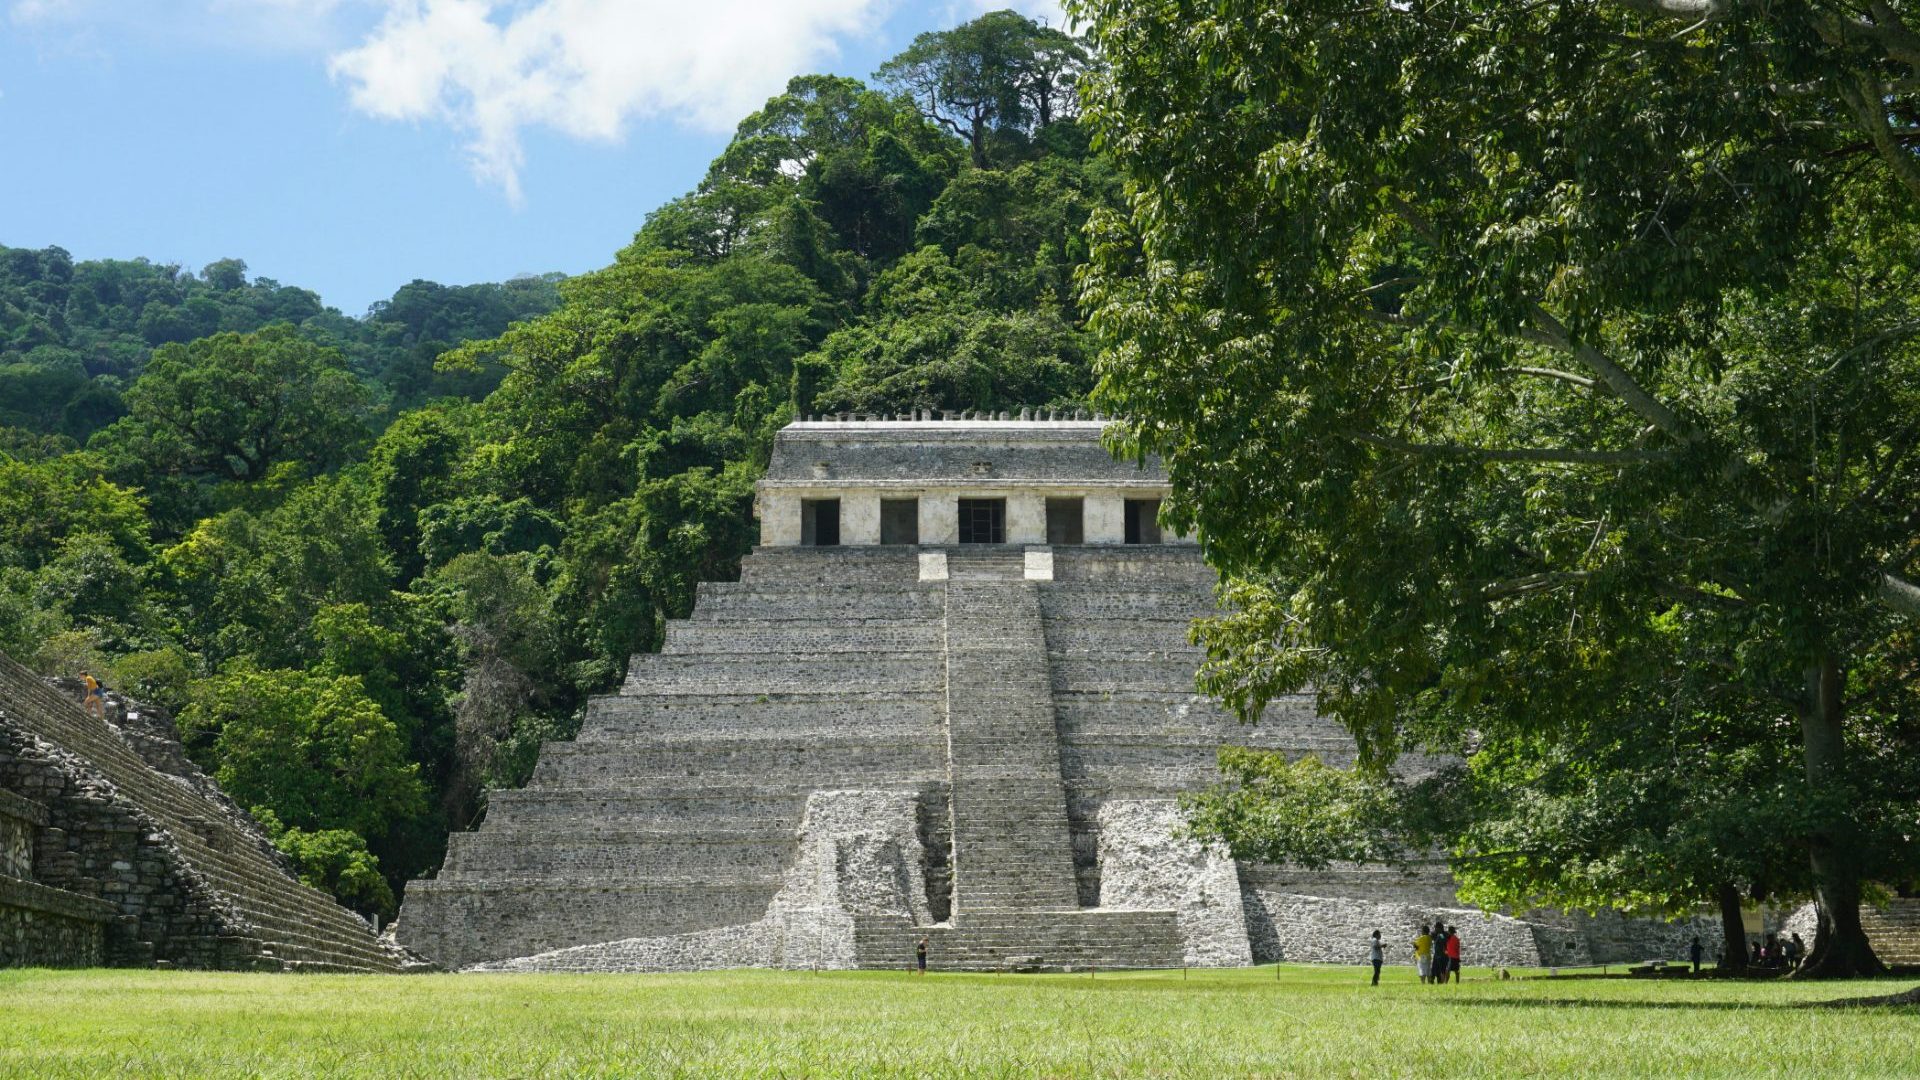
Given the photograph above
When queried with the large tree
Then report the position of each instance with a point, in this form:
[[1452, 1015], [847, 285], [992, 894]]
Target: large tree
[[1482, 337], [232, 406], [1000, 72]]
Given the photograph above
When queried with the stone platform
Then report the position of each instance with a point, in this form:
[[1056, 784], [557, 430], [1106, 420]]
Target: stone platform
[[1007, 713]]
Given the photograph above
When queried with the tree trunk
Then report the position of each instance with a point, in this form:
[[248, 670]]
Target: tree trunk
[[1841, 949], [1733, 932]]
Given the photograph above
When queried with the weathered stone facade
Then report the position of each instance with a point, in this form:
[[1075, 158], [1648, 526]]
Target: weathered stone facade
[[163, 868], [1017, 716]]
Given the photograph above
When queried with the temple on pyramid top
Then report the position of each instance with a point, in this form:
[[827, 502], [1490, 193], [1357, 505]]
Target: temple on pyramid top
[[935, 482]]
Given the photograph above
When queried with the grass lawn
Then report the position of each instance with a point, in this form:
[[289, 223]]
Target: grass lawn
[[1314, 1021]]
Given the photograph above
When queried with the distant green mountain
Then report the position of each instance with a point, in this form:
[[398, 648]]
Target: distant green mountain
[[74, 335]]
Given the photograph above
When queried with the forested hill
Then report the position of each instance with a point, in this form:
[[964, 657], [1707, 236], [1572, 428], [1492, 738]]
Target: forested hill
[[365, 620], [75, 335]]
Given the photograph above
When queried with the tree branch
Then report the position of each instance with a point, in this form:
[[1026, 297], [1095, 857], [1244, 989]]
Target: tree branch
[[1538, 454], [1899, 594], [1532, 583], [1555, 335], [1556, 373], [1865, 99], [1548, 331], [1695, 11]]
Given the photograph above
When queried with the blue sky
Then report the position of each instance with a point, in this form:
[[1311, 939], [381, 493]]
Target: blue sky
[[350, 146]]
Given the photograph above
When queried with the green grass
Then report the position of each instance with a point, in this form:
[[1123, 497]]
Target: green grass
[[1313, 1021]]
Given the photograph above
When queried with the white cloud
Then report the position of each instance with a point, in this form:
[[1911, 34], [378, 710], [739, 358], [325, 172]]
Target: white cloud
[[495, 68]]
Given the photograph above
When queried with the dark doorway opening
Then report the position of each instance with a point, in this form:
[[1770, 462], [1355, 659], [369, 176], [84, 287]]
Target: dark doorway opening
[[820, 522], [1143, 521], [1066, 521], [899, 521], [983, 521]]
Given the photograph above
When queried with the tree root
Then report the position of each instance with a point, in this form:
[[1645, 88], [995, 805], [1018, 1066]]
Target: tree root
[[1907, 997]]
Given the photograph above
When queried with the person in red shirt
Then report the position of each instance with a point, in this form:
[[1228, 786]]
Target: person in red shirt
[[1453, 953]]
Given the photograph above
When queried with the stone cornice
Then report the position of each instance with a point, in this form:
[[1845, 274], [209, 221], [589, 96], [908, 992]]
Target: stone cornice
[[33, 896]]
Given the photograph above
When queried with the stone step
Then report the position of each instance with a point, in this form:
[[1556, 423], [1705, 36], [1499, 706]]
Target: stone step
[[1009, 808], [816, 673], [1131, 564], [657, 855], [716, 782], [671, 715], [1045, 941], [1894, 930], [772, 604], [530, 809], [604, 762], [784, 565], [877, 635]]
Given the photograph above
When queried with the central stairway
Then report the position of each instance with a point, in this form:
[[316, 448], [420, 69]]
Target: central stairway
[[1015, 896], [1012, 848]]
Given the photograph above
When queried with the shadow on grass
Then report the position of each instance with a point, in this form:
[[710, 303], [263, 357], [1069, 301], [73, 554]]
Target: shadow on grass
[[1635, 1004]]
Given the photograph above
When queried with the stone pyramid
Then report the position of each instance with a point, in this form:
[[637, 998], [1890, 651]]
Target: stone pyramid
[[951, 696]]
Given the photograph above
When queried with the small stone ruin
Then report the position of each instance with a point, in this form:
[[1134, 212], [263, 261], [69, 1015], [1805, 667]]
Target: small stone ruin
[[115, 850]]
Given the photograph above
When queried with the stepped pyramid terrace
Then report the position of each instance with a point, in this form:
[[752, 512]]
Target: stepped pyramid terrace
[[950, 696], [115, 850]]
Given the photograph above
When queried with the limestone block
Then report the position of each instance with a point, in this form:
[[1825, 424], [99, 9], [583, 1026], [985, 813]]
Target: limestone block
[[16, 847], [1106, 519], [939, 517], [860, 518], [933, 565], [1039, 564], [1146, 865], [779, 519], [1026, 518]]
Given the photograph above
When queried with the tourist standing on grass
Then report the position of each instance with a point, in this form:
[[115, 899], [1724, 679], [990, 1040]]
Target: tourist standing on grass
[[1437, 966], [1423, 953], [1453, 952], [1375, 956], [1694, 952], [920, 954], [1796, 951]]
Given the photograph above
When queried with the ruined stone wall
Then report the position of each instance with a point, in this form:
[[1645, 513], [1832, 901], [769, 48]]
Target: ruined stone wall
[[1292, 928], [46, 927], [20, 818], [856, 853], [1146, 864]]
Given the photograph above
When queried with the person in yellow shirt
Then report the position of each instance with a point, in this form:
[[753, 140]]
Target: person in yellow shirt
[[1423, 953], [91, 700]]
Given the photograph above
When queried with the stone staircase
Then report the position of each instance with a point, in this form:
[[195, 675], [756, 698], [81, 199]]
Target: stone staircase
[[1894, 931], [1012, 847], [228, 902], [995, 563], [1025, 941]]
